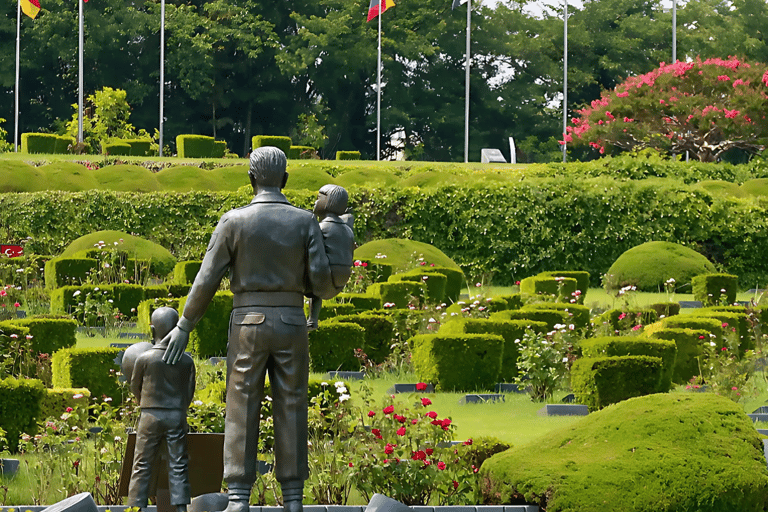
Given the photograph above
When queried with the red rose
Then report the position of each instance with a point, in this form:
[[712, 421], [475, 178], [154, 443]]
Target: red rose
[[441, 465], [426, 401], [421, 386], [389, 409], [389, 449], [446, 422], [371, 414], [401, 419], [468, 442], [401, 431], [431, 414], [430, 451], [376, 432], [455, 483]]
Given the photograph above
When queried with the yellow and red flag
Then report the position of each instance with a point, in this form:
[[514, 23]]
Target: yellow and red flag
[[30, 7], [373, 8]]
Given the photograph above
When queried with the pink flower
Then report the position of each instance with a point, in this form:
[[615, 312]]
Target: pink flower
[[419, 455], [637, 327], [724, 325], [622, 316], [400, 419], [421, 386], [426, 401], [16, 305], [371, 414], [446, 423], [730, 114], [701, 337], [734, 388], [401, 431], [431, 414], [3, 293], [468, 442], [724, 349], [389, 409], [723, 78], [414, 421], [441, 465]]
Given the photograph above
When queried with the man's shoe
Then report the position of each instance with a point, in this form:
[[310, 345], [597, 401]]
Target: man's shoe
[[293, 506]]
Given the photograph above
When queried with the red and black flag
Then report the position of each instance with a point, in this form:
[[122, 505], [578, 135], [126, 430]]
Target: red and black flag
[[373, 9]]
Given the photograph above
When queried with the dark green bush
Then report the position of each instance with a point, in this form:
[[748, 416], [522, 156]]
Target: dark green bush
[[49, 334], [510, 330], [455, 283], [185, 271], [435, 283], [648, 266], [92, 368], [402, 294], [549, 316], [654, 453], [377, 271], [139, 147], [692, 321], [19, 408], [68, 271], [301, 152], [210, 335], [562, 288], [581, 277], [44, 143], [219, 149], [361, 301], [283, 143], [125, 297], [347, 155], [578, 315], [378, 333], [332, 309], [116, 148], [147, 307], [475, 451], [56, 400], [690, 346], [636, 346], [503, 302], [708, 288], [665, 309], [332, 347], [460, 362], [622, 319], [601, 381], [194, 146], [732, 322]]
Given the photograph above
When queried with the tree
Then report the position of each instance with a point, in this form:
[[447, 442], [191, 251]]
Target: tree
[[704, 107]]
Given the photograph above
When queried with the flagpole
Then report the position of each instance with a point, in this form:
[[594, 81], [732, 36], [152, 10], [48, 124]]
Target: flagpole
[[80, 78], [378, 93], [565, 75], [466, 88], [16, 92], [162, 72]]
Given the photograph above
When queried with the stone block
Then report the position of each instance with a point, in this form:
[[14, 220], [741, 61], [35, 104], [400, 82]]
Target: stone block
[[346, 375], [211, 502], [381, 503], [82, 502], [491, 156], [564, 410], [481, 398], [409, 388], [691, 304]]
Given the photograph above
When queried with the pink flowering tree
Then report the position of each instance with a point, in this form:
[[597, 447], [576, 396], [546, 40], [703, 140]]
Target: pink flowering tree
[[703, 107]]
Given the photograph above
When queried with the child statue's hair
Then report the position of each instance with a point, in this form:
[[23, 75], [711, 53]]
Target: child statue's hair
[[337, 198]]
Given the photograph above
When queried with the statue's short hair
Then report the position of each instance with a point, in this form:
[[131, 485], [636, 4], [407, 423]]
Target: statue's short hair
[[267, 166], [337, 198], [163, 320]]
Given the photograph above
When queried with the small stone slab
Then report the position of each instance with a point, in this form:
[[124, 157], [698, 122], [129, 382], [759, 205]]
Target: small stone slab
[[569, 398], [345, 508], [761, 410], [455, 509], [211, 502], [315, 508], [216, 360], [346, 375], [82, 502], [691, 304], [20, 313], [491, 156], [481, 398], [133, 335], [409, 388], [120, 345], [8, 467], [762, 431], [381, 503], [758, 417], [503, 387], [564, 410]]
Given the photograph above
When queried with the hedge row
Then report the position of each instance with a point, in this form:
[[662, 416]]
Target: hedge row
[[507, 231]]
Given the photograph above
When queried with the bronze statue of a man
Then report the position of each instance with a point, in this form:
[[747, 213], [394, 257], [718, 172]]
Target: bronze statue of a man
[[275, 255]]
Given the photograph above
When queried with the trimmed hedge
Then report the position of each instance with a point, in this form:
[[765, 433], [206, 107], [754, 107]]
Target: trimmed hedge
[[708, 288], [147, 307], [562, 288], [116, 148], [504, 302], [92, 368], [636, 346], [400, 293], [690, 346], [459, 362], [210, 335], [601, 381], [125, 297], [48, 334], [578, 315], [332, 347], [194, 146], [377, 271], [550, 317], [510, 330], [379, 329], [455, 283], [280, 142], [347, 155], [665, 309], [711, 325], [436, 283], [631, 317], [185, 271], [56, 400], [49, 143], [301, 152], [332, 309], [732, 322], [139, 147], [582, 279], [361, 301], [219, 149], [19, 408], [68, 271]]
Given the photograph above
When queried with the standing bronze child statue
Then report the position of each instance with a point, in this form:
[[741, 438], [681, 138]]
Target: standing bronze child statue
[[275, 255], [164, 393]]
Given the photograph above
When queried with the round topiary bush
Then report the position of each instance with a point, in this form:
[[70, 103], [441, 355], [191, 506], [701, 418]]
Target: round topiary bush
[[665, 452], [162, 261], [404, 254], [648, 266]]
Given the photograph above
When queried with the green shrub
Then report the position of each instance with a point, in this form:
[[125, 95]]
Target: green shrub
[[185, 271], [92, 368], [332, 347], [636, 346], [460, 362], [582, 280], [63, 142], [210, 335], [692, 321], [378, 333], [475, 451], [377, 271], [654, 453], [550, 317], [504, 302], [510, 330], [332, 309], [402, 294], [435, 283], [402, 254], [49, 334], [623, 319], [301, 152], [454, 284], [708, 288], [578, 315], [19, 408], [194, 146], [283, 143], [665, 309], [219, 149], [690, 346], [139, 147], [126, 297], [116, 148], [562, 288], [147, 307], [733, 322], [347, 155], [48, 143], [601, 381], [648, 266], [360, 301], [56, 400], [68, 271]]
